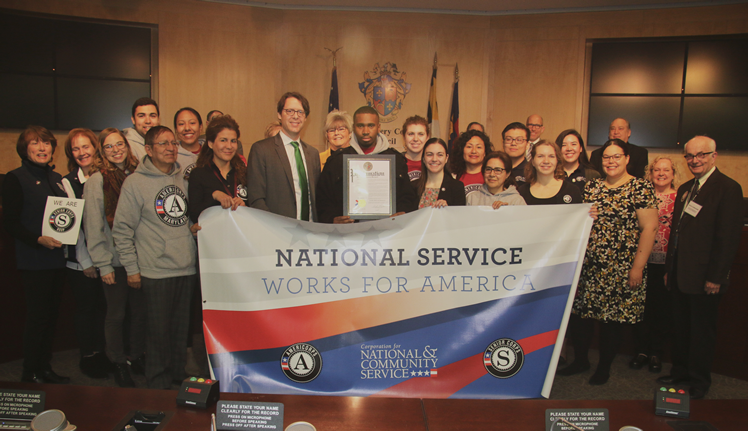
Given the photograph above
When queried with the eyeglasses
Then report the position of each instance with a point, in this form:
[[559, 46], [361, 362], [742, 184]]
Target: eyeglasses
[[534, 126], [700, 156], [334, 130], [291, 112], [497, 171], [165, 143], [616, 157], [509, 140], [118, 145]]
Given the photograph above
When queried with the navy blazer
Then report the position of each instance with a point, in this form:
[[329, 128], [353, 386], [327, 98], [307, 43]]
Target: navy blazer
[[706, 244]]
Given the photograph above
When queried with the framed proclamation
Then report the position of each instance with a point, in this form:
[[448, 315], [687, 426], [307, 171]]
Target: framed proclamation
[[369, 190]]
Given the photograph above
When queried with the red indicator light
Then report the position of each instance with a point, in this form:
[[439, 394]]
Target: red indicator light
[[194, 390], [672, 400]]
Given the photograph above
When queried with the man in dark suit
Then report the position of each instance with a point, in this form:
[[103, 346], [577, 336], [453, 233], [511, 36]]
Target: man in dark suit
[[620, 128], [707, 223], [282, 171]]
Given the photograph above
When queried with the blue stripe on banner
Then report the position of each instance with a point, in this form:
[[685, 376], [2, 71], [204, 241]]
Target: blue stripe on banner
[[516, 318]]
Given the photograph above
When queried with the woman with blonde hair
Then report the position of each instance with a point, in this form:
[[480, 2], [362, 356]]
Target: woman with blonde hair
[[82, 149], [650, 334], [338, 129], [117, 162]]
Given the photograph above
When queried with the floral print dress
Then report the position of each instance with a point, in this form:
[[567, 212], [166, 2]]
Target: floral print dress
[[603, 292]]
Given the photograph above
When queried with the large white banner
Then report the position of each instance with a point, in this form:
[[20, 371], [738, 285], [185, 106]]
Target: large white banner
[[465, 302]]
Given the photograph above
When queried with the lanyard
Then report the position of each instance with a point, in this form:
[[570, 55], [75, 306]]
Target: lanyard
[[217, 173]]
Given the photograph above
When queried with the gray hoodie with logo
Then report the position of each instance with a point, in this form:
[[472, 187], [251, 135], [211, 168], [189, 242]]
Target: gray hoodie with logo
[[482, 197], [151, 227]]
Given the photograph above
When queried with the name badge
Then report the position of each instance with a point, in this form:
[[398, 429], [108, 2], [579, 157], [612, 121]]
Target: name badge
[[693, 209]]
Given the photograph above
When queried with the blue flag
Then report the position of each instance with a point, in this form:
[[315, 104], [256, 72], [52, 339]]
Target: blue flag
[[334, 102]]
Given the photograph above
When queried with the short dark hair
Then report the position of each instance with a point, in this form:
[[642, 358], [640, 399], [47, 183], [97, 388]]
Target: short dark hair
[[297, 96], [366, 109], [618, 143], [457, 159], [474, 123], [207, 117], [155, 132], [197, 114], [506, 161], [31, 133], [513, 126], [145, 101]]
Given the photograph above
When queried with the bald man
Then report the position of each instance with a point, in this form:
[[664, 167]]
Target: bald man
[[620, 128], [535, 124], [704, 238]]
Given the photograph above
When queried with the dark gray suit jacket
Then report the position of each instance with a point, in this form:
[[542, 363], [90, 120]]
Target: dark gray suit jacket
[[707, 243], [270, 181]]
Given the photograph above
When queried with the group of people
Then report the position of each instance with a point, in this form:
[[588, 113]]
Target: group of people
[[145, 188]]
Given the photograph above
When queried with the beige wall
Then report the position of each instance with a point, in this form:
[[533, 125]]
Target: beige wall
[[241, 59]]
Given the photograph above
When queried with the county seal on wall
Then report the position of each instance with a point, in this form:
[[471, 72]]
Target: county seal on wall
[[386, 91]]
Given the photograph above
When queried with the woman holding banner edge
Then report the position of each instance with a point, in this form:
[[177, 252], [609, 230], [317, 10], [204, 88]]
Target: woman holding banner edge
[[612, 285]]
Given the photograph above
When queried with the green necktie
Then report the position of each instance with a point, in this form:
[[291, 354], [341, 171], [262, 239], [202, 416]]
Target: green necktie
[[302, 182]]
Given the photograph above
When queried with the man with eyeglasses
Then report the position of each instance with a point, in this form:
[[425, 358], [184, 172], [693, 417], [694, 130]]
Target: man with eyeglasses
[[366, 139], [515, 137], [704, 239], [282, 171], [535, 123], [153, 236], [145, 115], [620, 128]]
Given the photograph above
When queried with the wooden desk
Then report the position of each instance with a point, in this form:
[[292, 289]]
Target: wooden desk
[[101, 408], [453, 415]]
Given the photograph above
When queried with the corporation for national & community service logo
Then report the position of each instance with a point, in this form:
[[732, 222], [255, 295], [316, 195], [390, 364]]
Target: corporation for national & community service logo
[[503, 358], [301, 362]]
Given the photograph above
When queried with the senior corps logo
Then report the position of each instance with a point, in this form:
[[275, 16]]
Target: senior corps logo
[[62, 220], [171, 206], [503, 358], [301, 363]]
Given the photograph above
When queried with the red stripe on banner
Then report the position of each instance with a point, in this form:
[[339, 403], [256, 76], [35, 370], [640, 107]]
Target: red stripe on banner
[[455, 376], [285, 326]]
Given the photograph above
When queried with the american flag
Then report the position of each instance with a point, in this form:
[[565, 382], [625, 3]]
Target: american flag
[[487, 359], [433, 372], [160, 206], [284, 363]]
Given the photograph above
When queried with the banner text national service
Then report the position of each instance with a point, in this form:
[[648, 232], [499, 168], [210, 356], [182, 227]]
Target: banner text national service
[[466, 302]]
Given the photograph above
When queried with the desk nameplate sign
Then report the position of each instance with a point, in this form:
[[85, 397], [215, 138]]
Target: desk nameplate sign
[[249, 415], [17, 404], [577, 420]]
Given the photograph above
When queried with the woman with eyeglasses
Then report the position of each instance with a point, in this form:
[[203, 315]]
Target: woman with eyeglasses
[[576, 164], [39, 258], [546, 183], [82, 149], [499, 187], [612, 286], [436, 187], [650, 333], [415, 134], [102, 196], [466, 162], [338, 129]]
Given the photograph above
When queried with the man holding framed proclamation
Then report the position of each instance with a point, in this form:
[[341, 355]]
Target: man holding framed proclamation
[[368, 180]]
